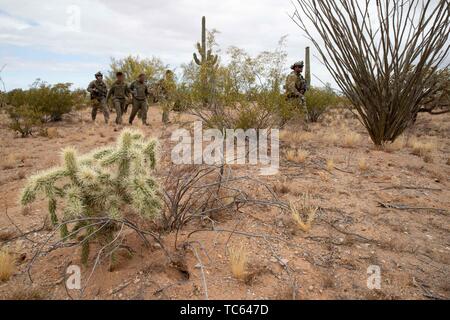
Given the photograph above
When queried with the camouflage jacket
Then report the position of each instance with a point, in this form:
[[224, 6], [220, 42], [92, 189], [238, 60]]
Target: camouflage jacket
[[97, 89], [295, 85], [119, 91], [167, 88], [139, 90]]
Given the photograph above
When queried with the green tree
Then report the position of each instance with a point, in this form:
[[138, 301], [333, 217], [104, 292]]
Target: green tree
[[132, 66]]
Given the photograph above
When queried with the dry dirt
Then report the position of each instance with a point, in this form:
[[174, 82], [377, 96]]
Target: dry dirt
[[408, 238]]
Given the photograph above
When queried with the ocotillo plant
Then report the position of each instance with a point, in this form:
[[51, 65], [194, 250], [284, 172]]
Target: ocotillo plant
[[207, 58], [95, 189], [308, 67]]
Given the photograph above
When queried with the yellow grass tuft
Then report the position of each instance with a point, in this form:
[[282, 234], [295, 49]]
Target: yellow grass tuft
[[422, 149], [351, 139], [330, 138], [9, 162], [296, 138], [238, 261], [7, 266], [323, 176], [397, 145], [363, 165], [305, 215], [297, 156], [330, 165]]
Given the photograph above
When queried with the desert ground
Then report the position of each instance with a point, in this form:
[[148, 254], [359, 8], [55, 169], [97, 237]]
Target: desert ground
[[373, 207]]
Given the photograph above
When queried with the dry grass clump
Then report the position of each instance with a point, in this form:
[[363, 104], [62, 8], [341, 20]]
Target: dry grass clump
[[51, 133], [9, 162], [304, 213], [330, 138], [397, 145], [363, 165], [295, 138], [297, 156], [422, 149], [7, 266], [26, 294], [282, 188], [323, 176], [238, 261], [330, 165], [351, 139]]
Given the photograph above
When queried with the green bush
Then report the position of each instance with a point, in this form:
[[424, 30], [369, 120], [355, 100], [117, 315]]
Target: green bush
[[39, 104], [317, 101], [23, 119], [94, 190], [133, 66], [245, 93]]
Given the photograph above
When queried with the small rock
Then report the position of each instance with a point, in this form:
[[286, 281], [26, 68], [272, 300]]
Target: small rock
[[284, 262], [311, 288]]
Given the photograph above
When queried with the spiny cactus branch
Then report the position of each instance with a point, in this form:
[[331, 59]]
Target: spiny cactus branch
[[100, 184]]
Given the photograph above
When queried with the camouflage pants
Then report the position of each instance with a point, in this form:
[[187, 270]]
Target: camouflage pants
[[120, 107], [141, 107], [100, 103], [166, 107]]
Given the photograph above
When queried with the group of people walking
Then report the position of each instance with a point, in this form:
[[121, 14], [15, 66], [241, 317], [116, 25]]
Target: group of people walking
[[119, 93]]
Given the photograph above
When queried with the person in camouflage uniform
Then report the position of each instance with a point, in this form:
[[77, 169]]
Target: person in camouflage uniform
[[98, 91], [296, 84], [119, 92], [167, 90], [140, 92]]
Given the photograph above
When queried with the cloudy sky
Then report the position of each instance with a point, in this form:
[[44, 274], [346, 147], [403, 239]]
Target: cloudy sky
[[69, 40]]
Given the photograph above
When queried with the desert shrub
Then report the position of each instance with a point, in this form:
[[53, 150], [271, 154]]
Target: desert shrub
[[133, 66], [39, 104], [95, 189], [318, 101], [245, 93], [22, 119]]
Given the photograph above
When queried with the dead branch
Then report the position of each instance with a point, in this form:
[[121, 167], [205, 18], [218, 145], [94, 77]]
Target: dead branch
[[405, 207]]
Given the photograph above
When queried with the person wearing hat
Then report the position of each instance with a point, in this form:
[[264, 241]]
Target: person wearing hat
[[140, 92], [296, 83], [119, 93], [98, 91]]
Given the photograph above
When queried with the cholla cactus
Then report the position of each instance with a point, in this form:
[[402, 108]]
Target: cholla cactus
[[94, 188]]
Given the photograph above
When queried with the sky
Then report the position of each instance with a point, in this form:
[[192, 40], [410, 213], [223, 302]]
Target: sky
[[70, 40]]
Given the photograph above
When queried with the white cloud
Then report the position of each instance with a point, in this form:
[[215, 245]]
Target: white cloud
[[167, 29]]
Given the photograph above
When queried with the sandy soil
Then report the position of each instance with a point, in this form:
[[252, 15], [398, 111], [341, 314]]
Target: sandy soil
[[408, 238]]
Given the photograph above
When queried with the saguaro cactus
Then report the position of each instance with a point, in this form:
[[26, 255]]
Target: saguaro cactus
[[206, 55], [308, 67]]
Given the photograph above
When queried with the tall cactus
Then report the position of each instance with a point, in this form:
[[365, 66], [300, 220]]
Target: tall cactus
[[207, 58], [308, 67]]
